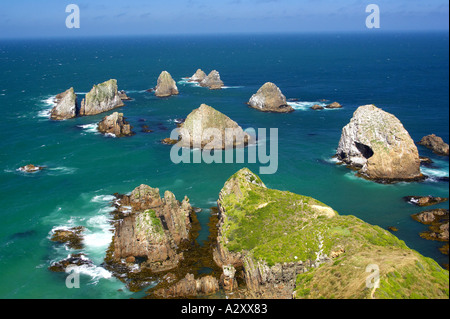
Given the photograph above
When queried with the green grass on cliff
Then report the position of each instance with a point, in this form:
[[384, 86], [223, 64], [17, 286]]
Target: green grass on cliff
[[279, 226]]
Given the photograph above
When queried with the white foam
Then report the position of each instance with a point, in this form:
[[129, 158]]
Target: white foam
[[103, 198], [185, 81], [110, 135], [90, 128], [55, 171], [232, 87], [434, 174], [95, 272], [303, 105]]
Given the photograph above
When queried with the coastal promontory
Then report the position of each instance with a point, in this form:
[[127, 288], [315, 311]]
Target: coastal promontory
[[285, 245], [377, 145]]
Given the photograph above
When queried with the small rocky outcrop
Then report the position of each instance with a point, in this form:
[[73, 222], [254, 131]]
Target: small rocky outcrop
[[424, 200], [66, 106], [150, 233], [193, 130], [103, 97], [430, 216], [334, 105], [115, 124], [377, 145], [270, 99], [438, 219], [30, 168], [72, 237], [199, 76], [317, 107], [71, 261], [165, 86], [189, 287], [228, 278], [212, 81], [123, 96], [436, 144]]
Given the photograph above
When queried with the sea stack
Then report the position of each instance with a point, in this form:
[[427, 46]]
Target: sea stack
[[270, 99], [198, 76], [166, 86], [115, 124], [66, 106], [436, 144], [212, 81], [151, 234], [192, 131], [377, 145], [102, 97]]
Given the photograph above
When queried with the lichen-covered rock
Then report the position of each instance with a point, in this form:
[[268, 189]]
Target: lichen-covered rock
[[194, 130], [289, 245], [376, 143], [436, 144], [153, 231], [212, 81], [165, 86], [198, 76], [270, 99], [102, 97], [66, 106], [115, 124]]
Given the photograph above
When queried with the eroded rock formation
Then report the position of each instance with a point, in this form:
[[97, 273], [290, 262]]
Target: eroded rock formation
[[102, 97], [379, 147], [66, 106], [115, 124], [165, 86], [270, 99]]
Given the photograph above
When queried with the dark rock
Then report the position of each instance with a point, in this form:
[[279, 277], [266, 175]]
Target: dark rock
[[115, 124], [72, 237], [436, 144], [424, 200]]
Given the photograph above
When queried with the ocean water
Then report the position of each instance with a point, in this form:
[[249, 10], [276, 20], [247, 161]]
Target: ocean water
[[405, 74]]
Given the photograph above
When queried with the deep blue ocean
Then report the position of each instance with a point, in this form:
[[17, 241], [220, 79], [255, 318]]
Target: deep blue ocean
[[404, 74]]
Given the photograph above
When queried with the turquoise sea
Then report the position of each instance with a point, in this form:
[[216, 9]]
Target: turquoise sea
[[404, 74]]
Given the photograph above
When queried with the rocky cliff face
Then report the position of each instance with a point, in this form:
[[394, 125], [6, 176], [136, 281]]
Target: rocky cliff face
[[270, 99], [212, 81], [193, 130], [436, 144], [66, 106], [150, 233], [278, 240], [102, 97], [189, 287], [115, 124], [165, 86], [376, 143]]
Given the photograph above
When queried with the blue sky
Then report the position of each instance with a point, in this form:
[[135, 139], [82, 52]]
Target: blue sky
[[46, 18]]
